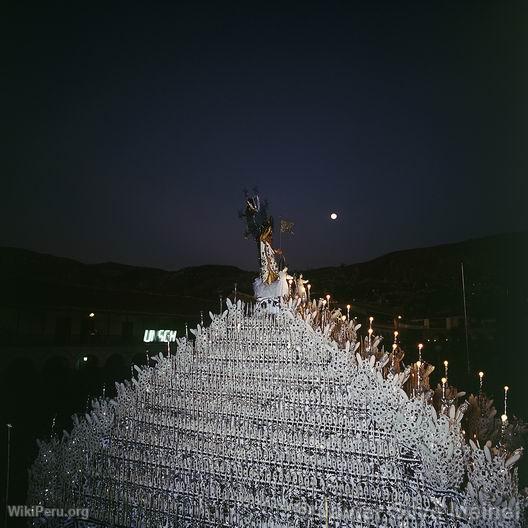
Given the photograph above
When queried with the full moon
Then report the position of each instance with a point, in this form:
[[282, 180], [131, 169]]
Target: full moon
[[333, 216]]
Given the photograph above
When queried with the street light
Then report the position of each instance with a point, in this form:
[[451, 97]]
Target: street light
[[8, 461]]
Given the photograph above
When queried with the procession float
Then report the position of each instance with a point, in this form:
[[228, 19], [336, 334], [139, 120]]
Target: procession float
[[278, 413]]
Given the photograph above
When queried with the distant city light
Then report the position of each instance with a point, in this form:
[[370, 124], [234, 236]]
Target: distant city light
[[333, 216]]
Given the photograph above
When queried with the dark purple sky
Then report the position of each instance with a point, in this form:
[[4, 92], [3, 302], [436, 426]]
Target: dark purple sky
[[129, 131]]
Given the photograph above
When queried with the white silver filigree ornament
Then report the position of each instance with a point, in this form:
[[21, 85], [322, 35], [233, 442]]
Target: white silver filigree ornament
[[276, 417]]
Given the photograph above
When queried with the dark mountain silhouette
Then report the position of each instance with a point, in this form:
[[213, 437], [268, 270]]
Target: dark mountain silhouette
[[419, 282]]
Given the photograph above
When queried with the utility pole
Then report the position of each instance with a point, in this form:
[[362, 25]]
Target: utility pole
[[465, 318]]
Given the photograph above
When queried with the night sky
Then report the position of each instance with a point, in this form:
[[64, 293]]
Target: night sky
[[129, 131]]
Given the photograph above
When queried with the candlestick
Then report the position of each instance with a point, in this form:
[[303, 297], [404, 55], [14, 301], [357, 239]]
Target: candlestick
[[504, 424]]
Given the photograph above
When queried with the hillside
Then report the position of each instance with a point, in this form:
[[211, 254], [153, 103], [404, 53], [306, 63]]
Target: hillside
[[424, 281]]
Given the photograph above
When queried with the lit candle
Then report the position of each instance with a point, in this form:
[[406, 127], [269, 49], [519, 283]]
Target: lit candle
[[446, 365], [420, 346], [348, 312], [481, 376], [396, 334], [444, 381], [506, 389], [328, 301], [309, 288], [418, 367]]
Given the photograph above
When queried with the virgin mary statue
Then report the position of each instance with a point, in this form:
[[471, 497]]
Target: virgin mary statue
[[272, 282]]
